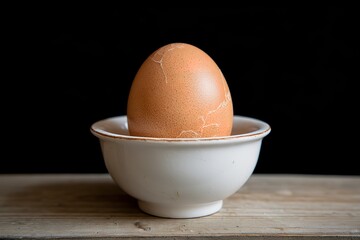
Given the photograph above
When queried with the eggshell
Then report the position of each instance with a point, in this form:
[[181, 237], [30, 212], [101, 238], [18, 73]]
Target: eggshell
[[179, 92]]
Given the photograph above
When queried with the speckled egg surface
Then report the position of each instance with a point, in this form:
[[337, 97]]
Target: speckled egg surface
[[179, 92]]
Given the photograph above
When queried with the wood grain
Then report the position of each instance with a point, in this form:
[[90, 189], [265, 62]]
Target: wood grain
[[91, 206]]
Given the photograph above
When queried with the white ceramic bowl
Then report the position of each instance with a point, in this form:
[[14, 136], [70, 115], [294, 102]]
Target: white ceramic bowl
[[180, 178]]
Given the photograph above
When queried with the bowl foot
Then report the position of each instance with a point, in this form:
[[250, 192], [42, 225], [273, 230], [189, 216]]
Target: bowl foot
[[180, 211]]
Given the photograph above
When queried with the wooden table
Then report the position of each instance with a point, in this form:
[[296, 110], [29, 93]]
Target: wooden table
[[91, 206]]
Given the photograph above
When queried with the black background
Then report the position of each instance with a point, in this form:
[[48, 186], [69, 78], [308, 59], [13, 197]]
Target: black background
[[70, 66]]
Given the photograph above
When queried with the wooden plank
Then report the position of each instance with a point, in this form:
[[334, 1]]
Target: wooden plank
[[91, 206]]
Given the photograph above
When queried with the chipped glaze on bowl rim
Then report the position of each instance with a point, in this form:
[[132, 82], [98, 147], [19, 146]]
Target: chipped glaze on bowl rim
[[260, 130]]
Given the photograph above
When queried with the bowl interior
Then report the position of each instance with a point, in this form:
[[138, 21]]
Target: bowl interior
[[117, 127]]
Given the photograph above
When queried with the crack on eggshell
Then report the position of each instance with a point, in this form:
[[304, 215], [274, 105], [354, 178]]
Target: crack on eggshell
[[161, 53], [199, 133], [223, 104], [184, 132]]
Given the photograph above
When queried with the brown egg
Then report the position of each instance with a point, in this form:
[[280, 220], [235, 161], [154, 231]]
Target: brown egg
[[179, 92]]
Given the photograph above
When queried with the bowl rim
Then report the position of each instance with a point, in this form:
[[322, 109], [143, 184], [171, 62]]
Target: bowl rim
[[98, 129]]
